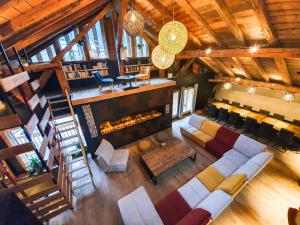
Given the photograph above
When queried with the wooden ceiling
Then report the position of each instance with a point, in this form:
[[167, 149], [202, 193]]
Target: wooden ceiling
[[220, 24], [224, 24]]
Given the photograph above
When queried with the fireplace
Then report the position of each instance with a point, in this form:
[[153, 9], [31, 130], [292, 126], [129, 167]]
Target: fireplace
[[128, 121]]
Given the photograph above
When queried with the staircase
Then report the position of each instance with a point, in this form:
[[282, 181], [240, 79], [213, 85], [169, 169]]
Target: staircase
[[70, 142]]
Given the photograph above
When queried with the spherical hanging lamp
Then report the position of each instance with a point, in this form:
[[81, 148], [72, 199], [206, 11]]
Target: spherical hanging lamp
[[161, 59], [134, 23], [173, 37], [227, 86], [288, 97]]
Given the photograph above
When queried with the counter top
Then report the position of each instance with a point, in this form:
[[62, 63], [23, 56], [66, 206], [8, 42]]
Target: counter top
[[89, 95]]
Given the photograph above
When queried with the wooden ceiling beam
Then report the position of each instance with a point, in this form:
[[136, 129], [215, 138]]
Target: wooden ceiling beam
[[282, 67], [32, 17], [123, 10], [243, 52], [226, 15], [158, 6], [73, 16], [6, 4], [240, 65], [260, 69], [253, 83], [209, 65], [199, 20], [260, 9], [224, 67]]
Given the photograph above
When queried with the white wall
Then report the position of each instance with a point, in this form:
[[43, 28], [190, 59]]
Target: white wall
[[264, 98]]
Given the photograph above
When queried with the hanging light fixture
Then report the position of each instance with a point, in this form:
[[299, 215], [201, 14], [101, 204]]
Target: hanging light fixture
[[251, 90], [227, 86], [288, 97], [173, 36], [134, 22], [161, 59]]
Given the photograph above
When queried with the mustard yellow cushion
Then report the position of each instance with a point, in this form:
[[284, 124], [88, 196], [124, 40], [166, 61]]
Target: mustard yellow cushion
[[233, 183], [144, 145], [297, 219], [210, 128], [203, 137], [210, 177]]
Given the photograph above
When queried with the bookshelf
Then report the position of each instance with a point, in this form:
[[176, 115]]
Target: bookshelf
[[135, 68], [79, 71]]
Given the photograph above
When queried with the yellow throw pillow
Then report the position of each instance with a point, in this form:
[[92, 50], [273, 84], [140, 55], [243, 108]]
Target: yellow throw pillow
[[211, 178], [233, 183]]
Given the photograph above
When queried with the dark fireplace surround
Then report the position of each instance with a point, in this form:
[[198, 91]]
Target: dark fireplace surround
[[159, 100]]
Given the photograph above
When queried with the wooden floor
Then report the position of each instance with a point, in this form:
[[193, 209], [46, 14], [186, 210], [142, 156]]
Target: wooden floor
[[264, 201]]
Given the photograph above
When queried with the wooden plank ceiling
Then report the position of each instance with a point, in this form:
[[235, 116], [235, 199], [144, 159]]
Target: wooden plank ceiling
[[219, 24]]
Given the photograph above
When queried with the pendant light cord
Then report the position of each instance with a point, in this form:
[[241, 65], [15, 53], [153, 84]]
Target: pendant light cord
[[173, 8]]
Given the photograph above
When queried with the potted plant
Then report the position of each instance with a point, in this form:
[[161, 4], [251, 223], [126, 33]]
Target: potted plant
[[139, 46], [35, 166]]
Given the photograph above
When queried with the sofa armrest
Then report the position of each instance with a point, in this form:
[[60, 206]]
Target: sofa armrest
[[137, 209]]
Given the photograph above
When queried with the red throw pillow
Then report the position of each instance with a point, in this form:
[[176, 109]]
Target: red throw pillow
[[196, 217], [172, 208]]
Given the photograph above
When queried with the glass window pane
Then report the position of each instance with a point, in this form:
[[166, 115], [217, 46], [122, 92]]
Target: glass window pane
[[96, 42], [46, 55], [175, 104]]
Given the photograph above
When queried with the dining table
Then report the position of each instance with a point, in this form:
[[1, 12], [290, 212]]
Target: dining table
[[278, 124]]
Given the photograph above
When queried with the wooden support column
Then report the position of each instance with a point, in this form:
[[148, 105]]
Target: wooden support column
[[62, 79], [133, 46], [123, 10], [110, 38]]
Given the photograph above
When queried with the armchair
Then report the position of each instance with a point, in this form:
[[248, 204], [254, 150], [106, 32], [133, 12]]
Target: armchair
[[112, 160], [144, 74], [101, 81]]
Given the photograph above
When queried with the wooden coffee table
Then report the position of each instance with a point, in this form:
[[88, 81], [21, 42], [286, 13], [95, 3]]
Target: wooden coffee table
[[159, 160]]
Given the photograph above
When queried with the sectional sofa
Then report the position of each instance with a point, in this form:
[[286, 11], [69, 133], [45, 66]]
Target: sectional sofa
[[206, 195]]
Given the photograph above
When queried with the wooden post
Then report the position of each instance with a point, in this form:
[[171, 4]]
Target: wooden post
[[62, 79], [110, 38]]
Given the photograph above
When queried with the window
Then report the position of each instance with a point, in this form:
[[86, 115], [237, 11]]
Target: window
[[175, 103], [142, 48], [96, 42], [126, 43], [188, 96], [76, 53], [45, 55], [17, 137]]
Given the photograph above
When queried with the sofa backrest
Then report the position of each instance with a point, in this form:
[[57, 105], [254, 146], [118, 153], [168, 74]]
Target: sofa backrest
[[196, 121], [248, 147], [227, 136], [105, 151], [210, 128]]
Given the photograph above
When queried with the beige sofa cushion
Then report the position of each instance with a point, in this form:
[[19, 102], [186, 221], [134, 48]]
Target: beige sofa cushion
[[202, 137], [210, 128]]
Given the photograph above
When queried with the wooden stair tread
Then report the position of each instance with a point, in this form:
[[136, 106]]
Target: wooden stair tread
[[81, 185], [60, 108], [73, 170]]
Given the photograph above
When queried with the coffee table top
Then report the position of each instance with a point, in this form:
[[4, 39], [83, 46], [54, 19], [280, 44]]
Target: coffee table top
[[164, 157]]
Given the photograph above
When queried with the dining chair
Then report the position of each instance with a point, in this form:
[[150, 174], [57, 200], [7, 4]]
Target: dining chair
[[212, 111], [266, 131], [235, 120], [250, 126], [296, 122], [237, 104], [223, 114], [247, 107], [284, 139], [225, 101], [264, 112], [278, 116], [292, 216]]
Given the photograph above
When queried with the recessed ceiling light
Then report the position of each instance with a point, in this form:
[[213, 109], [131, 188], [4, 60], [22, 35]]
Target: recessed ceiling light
[[227, 86], [208, 51], [253, 48], [237, 79]]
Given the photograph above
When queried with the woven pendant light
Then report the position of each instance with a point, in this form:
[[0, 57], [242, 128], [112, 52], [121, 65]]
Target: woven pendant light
[[173, 37], [161, 59], [134, 23]]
